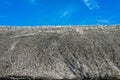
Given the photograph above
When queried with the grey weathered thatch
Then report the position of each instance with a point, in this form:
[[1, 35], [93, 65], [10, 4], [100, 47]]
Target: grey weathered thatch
[[60, 52]]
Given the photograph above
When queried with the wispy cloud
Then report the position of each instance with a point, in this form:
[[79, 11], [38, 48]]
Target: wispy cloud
[[32, 1], [103, 21], [2, 16], [91, 4], [66, 13]]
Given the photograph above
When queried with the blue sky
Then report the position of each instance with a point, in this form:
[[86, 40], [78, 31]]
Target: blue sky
[[59, 12]]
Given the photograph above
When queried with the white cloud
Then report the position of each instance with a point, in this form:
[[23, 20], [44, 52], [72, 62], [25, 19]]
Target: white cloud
[[91, 4]]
